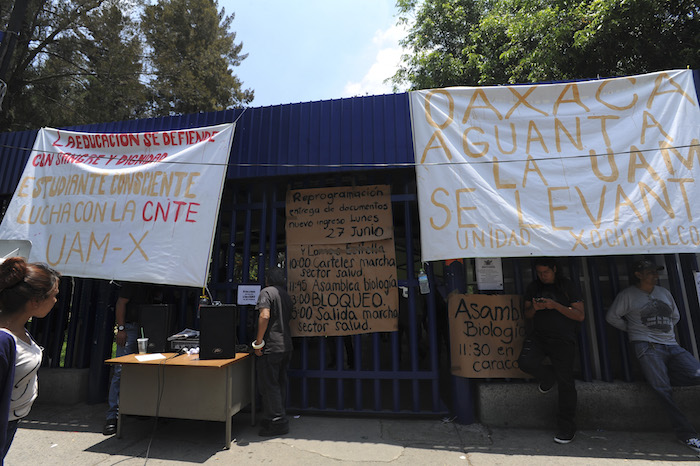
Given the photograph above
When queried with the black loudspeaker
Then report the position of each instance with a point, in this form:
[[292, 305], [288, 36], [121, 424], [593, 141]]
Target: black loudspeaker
[[217, 331], [157, 324]]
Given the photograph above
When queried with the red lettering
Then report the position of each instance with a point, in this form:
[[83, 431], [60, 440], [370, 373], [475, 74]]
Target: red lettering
[[147, 204], [164, 212], [179, 206], [42, 160], [190, 211], [152, 212]]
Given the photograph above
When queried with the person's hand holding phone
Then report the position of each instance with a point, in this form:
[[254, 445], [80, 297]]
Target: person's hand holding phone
[[540, 303]]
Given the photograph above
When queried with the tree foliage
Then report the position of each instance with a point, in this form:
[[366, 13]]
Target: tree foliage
[[87, 61], [192, 52], [489, 42]]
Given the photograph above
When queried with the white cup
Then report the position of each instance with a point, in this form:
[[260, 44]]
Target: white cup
[[143, 345]]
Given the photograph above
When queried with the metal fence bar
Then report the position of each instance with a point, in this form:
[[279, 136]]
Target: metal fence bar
[[676, 287], [248, 228], [583, 339], [231, 265], [689, 265], [432, 332], [395, 364], [339, 362], [598, 315], [304, 370], [412, 283], [621, 337], [82, 322], [376, 367], [322, 401], [357, 365]]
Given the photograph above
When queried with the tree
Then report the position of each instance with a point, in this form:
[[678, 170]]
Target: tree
[[438, 41], [85, 61], [114, 90], [76, 62], [489, 42], [192, 52]]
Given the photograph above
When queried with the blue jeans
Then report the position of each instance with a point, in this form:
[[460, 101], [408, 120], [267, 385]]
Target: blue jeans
[[664, 366], [131, 335]]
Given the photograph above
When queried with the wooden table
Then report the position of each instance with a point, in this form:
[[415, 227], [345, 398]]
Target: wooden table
[[182, 386]]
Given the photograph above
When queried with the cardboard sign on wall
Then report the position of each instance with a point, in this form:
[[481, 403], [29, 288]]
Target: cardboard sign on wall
[[486, 335], [341, 261]]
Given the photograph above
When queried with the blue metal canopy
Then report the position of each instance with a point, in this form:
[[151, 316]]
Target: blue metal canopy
[[358, 133]]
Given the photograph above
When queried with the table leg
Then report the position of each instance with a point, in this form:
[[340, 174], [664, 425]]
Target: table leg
[[119, 425], [227, 445], [227, 406]]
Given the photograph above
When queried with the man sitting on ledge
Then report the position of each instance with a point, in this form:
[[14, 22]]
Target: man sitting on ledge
[[647, 312]]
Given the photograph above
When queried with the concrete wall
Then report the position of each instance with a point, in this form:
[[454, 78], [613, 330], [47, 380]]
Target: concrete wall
[[63, 386], [601, 405]]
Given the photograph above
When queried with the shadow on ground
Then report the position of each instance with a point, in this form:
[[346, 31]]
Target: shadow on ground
[[73, 435]]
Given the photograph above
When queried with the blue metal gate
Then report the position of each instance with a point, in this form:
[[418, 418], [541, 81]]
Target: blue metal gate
[[394, 372]]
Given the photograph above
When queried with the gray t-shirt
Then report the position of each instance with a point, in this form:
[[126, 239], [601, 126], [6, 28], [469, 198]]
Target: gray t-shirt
[[645, 316], [278, 337]]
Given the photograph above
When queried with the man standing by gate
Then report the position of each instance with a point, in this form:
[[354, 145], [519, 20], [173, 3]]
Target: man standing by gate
[[273, 347], [556, 308], [131, 296], [648, 312]]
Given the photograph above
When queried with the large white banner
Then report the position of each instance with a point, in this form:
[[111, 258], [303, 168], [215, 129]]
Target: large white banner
[[126, 206], [579, 168]]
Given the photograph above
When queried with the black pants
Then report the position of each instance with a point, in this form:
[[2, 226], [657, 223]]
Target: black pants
[[561, 353], [272, 383]]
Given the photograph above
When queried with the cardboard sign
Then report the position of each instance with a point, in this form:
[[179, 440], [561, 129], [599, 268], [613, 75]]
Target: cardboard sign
[[339, 215], [341, 262], [486, 335]]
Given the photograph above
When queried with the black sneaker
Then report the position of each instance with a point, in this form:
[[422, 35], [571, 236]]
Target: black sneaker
[[546, 387], [564, 437], [693, 443], [110, 427], [275, 427]]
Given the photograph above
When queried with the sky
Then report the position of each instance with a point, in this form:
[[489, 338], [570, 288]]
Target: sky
[[307, 50]]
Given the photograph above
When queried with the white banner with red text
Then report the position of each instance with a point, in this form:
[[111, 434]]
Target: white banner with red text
[[125, 206], [597, 167]]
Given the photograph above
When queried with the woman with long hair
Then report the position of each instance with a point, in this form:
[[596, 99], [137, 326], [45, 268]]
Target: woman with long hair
[[27, 290]]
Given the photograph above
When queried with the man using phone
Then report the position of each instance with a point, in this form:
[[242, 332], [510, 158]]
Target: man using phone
[[556, 308]]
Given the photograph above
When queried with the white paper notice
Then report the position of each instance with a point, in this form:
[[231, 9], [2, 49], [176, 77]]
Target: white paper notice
[[489, 273], [149, 357], [248, 294]]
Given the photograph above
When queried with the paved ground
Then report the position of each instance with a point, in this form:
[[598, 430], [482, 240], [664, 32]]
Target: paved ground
[[71, 435]]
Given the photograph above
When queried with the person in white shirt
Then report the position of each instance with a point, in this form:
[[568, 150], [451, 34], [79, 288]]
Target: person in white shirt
[[27, 290], [648, 313]]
